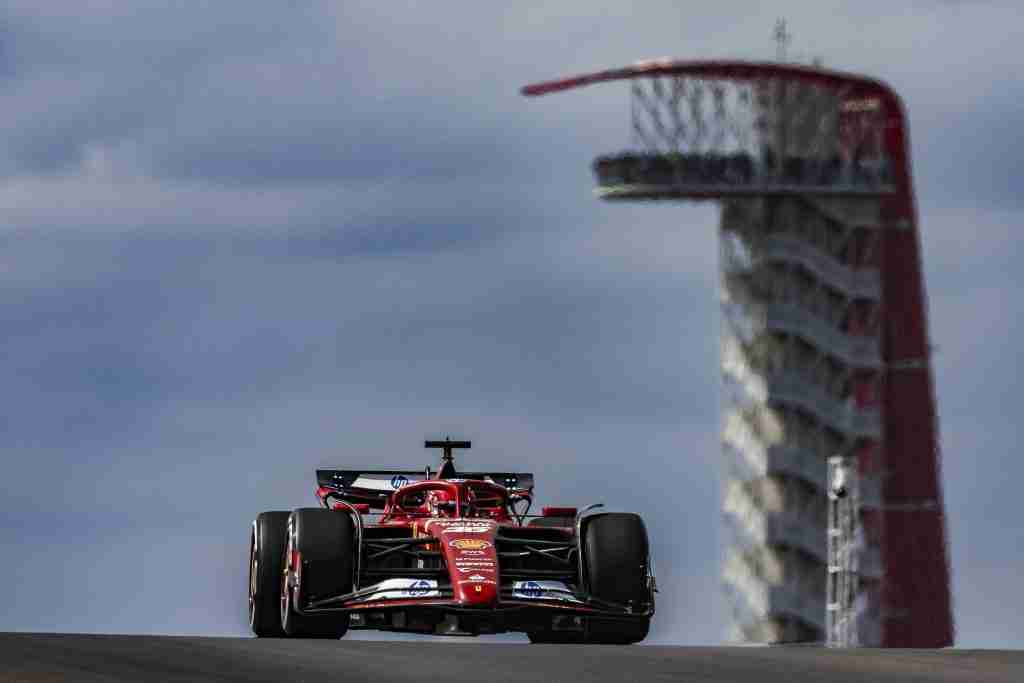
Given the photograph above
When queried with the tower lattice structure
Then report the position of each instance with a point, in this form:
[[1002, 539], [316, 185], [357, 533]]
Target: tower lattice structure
[[824, 354]]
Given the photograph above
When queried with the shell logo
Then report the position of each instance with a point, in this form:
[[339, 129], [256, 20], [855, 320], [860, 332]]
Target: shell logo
[[470, 544]]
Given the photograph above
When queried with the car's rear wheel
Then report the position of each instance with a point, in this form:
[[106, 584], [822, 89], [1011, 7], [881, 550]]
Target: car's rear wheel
[[266, 550], [615, 557], [318, 562]]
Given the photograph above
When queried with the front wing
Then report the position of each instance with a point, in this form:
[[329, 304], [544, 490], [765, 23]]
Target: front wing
[[424, 606]]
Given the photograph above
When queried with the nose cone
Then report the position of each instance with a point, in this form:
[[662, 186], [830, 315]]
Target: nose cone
[[468, 546]]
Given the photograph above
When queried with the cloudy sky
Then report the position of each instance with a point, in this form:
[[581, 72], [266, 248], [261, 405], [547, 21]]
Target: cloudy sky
[[241, 241]]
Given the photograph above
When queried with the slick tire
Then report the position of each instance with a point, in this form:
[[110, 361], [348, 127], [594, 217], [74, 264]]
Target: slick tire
[[615, 556], [614, 632], [266, 550], [322, 542]]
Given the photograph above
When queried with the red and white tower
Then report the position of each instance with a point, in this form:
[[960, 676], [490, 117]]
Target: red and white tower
[[832, 491]]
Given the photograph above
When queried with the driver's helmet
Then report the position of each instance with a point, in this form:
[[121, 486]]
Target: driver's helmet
[[440, 503]]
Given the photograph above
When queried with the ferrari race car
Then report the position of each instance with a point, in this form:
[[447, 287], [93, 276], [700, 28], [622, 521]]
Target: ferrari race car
[[448, 553]]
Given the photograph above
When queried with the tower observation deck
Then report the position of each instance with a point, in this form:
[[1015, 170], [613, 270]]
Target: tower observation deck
[[825, 352]]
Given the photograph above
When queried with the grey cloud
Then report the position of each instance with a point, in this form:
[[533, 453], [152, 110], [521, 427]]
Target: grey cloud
[[99, 76], [971, 154]]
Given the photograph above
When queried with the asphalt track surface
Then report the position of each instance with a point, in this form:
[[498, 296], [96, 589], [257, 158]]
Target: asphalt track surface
[[60, 657]]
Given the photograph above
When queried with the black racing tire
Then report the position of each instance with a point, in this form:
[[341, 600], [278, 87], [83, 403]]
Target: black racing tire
[[615, 558], [325, 542], [617, 632], [266, 550]]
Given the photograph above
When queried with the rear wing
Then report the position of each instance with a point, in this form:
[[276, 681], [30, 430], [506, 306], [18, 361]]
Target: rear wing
[[374, 487]]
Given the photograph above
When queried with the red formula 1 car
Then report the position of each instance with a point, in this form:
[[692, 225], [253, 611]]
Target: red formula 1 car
[[450, 553]]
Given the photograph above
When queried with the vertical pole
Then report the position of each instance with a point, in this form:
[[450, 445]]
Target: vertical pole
[[843, 553], [782, 39]]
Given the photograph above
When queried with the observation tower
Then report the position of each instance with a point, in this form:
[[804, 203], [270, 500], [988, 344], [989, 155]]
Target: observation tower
[[832, 497]]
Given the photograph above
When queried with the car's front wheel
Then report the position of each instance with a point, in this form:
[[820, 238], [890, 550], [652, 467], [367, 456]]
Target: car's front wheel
[[317, 562], [616, 557]]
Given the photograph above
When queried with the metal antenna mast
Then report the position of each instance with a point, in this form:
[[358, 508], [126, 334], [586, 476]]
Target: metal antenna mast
[[782, 39]]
